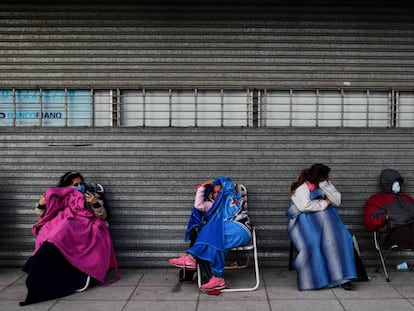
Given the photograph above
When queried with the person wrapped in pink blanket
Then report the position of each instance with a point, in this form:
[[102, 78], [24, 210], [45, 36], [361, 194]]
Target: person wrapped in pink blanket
[[73, 244]]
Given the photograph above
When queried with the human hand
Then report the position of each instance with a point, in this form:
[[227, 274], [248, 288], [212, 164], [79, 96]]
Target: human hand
[[328, 201], [208, 183], [91, 197]]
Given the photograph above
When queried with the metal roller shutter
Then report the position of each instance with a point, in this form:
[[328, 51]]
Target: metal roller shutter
[[365, 44], [150, 174]]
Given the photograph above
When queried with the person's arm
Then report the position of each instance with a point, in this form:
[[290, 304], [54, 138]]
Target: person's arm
[[301, 199], [330, 191], [199, 202], [40, 207], [97, 204], [374, 214], [100, 212]]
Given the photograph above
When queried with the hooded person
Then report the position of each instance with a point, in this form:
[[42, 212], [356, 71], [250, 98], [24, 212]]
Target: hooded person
[[391, 211], [391, 181]]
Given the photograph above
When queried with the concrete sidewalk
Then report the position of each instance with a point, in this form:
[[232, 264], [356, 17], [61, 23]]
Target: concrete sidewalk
[[159, 289]]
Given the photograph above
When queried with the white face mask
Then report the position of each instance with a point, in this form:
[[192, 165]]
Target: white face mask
[[396, 187]]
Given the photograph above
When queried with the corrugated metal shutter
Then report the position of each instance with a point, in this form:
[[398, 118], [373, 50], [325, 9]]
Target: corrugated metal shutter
[[364, 44], [150, 174]]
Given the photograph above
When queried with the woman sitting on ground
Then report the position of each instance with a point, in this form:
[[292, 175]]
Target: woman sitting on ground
[[73, 244]]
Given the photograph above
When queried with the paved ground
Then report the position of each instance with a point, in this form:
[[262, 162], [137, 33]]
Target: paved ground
[[159, 289]]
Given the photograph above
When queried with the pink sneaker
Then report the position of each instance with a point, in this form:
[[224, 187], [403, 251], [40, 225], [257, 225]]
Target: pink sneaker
[[213, 284], [185, 262]]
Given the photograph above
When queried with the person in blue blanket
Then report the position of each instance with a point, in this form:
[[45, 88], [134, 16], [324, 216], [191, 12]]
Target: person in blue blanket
[[223, 224], [325, 248]]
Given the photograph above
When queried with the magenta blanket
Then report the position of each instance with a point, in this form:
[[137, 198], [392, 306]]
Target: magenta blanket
[[83, 239]]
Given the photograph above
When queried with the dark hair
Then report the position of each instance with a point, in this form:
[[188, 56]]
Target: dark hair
[[66, 179], [315, 174]]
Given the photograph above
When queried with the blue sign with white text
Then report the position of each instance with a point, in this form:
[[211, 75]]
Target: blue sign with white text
[[47, 108]]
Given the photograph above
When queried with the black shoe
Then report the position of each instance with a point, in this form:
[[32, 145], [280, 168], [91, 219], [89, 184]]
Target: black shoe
[[348, 286]]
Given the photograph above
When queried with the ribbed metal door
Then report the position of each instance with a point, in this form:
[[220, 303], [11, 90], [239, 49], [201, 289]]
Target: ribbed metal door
[[150, 173], [150, 177], [363, 44]]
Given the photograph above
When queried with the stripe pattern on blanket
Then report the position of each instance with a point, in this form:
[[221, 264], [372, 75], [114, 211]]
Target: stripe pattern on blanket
[[325, 251]]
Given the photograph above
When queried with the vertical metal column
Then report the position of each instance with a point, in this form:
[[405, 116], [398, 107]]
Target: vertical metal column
[[169, 108], [255, 108], [92, 108], [195, 107], [342, 107], [222, 108], [14, 106], [66, 107], [317, 108], [397, 108], [116, 107], [290, 108], [41, 106], [263, 108], [368, 108], [144, 112], [393, 100]]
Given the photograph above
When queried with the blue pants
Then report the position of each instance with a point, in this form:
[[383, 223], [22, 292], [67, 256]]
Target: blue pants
[[215, 240]]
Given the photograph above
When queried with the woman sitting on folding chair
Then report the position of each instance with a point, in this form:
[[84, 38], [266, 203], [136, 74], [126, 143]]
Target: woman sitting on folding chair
[[325, 248], [391, 212], [223, 225]]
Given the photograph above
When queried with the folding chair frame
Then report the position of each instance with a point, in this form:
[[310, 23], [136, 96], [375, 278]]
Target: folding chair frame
[[382, 257], [248, 248]]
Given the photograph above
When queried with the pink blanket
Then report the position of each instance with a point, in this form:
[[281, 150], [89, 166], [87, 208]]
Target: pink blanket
[[83, 239]]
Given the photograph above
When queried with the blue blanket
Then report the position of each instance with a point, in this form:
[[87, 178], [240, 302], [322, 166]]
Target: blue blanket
[[218, 211], [325, 249], [219, 230]]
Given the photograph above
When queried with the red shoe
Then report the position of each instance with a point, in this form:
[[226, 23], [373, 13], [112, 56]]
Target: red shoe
[[213, 284], [185, 262]]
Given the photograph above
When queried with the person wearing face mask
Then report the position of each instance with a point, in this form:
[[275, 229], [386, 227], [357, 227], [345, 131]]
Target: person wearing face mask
[[73, 247], [93, 200], [391, 211]]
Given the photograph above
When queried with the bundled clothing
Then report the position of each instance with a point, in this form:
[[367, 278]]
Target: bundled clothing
[[71, 244], [325, 248], [391, 212], [223, 226]]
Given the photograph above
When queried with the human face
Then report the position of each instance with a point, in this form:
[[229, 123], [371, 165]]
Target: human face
[[215, 192], [76, 182]]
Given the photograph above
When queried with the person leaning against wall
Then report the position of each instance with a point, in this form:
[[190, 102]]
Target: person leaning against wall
[[73, 247], [94, 198]]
